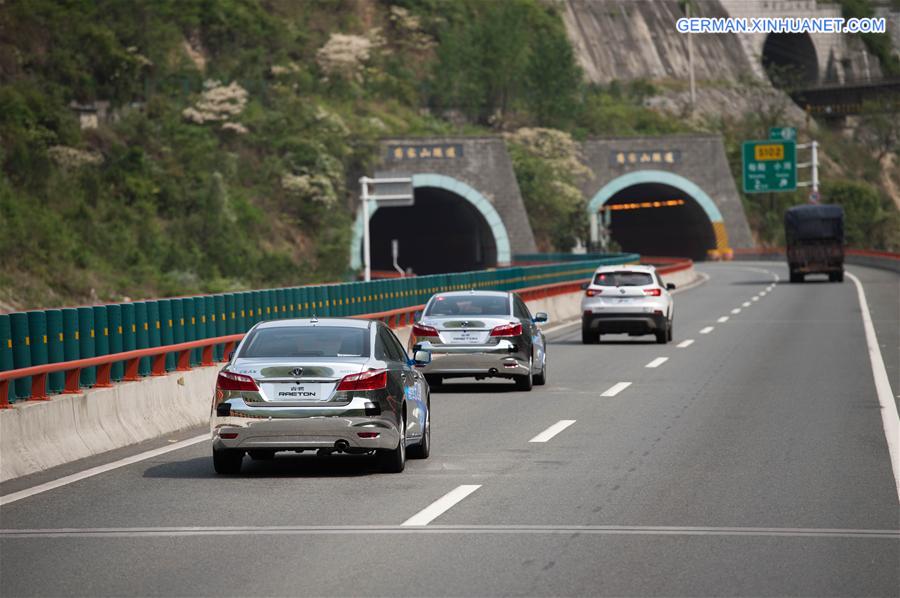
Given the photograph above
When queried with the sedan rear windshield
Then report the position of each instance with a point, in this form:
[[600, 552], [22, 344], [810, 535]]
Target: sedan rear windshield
[[307, 341], [469, 305], [623, 279]]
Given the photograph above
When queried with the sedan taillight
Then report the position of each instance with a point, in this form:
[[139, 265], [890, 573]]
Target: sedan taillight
[[371, 380], [507, 330], [592, 292], [235, 382], [423, 330], [653, 292]]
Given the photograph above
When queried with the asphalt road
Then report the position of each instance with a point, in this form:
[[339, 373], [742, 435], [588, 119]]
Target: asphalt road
[[752, 461]]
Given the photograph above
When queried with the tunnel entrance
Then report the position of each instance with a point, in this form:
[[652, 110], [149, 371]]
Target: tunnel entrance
[[441, 232], [660, 220], [790, 60]]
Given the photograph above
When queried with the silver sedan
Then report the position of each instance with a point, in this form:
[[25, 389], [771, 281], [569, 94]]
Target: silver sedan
[[330, 385], [481, 334]]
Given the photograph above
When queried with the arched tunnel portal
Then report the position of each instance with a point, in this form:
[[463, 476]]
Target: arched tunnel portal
[[451, 227], [790, 60], [658, 213]]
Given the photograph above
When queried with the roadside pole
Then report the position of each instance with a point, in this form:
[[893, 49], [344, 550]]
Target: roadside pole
[[813, 165], [367, 257]]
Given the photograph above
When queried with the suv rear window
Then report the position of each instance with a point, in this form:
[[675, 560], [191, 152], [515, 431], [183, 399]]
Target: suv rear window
[[469, 305], [307, 341], [623, 279]]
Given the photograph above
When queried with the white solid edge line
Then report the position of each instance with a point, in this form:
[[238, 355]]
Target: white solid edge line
[[441, 505], [736, 310], [707, 330], [615, 389], [657, 362], [553, 430], [722, 320], [87, 473], [889, 418], [685, 343]]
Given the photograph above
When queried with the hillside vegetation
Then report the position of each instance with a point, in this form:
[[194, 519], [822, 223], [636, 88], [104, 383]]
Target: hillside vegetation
[[230, 132]]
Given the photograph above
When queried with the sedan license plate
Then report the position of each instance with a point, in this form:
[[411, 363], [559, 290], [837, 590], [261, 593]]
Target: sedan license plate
[[293, 391], [465, 337]]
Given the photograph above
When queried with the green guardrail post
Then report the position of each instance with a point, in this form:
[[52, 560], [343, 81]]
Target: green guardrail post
[[155, 325], [21, 349], [101, 331], [221, 323], [240, 313], [129, 329], [142, 325], [167, 329], [209, 306], [55, 354], [71, 347], [116, 338], [6, 352], [37, 332], [86, 343], [199, 321], [178, 319]]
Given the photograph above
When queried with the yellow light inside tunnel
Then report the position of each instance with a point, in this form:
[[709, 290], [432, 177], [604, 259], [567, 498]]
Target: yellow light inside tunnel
[[669, 203]]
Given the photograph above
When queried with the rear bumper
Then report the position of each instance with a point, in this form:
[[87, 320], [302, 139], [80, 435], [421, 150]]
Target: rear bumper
[[624, 322], [283, 429], [505, 359]]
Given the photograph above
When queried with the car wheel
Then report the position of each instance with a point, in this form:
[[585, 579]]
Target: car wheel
[[525, 382], [433, 380], [589, 337], [541, 378], [671, 326], [261, 455], [394, 460], [662, 337], [227, 461], [423, 449]]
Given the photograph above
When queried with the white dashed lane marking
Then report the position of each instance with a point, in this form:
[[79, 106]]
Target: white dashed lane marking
[[616, 389], [722, 320], [685, 343], [736, 310], [553, 430], [657, 362], [441, 505], [707, 330]]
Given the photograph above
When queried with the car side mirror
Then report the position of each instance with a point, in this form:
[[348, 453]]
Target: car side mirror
[[541, 318], [421, 357], [231, 356], [585, 285], [417, 315], [670, 286]]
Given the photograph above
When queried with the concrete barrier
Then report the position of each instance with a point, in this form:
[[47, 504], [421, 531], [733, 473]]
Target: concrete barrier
[[38, 435]]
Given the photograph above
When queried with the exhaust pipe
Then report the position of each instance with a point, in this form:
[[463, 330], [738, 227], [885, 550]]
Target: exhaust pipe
[[493, 371], [341, 445]]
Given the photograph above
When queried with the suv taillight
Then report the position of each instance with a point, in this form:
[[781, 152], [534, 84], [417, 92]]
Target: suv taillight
[[653, 292], [423, 330], [235, 382], [592, 292], [371, 380], [507, 330]]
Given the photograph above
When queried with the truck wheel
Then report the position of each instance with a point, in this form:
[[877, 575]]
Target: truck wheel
[[836, 276], [796, 277], [433, 380]]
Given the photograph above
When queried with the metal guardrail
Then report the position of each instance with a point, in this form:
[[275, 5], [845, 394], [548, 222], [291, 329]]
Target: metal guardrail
[[124, 341]]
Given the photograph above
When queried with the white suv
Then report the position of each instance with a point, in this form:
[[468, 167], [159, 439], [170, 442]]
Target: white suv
[[626, 299]]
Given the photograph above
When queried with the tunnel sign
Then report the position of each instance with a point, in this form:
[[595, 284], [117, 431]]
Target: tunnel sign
[[770, 166]]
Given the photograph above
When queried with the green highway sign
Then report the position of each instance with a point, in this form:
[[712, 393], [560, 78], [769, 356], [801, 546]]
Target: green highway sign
[[770, 166], [783, 133]]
